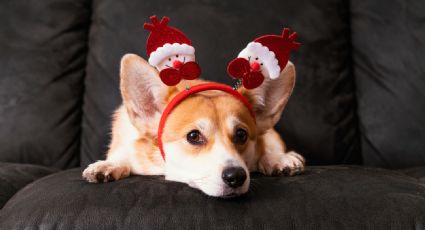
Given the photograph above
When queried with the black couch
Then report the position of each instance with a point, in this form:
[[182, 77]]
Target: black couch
[[357, 114]]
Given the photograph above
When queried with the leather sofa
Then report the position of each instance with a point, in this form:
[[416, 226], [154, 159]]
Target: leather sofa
[[357, 114]]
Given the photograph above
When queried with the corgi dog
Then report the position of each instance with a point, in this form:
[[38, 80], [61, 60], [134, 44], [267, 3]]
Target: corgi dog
[[211, 140]]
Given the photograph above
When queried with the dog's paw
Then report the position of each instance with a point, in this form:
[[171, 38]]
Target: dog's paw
[[288, 164], [104, 171]]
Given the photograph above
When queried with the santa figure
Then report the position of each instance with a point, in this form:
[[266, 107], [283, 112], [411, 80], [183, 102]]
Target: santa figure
[[265, 57], [171, 52]]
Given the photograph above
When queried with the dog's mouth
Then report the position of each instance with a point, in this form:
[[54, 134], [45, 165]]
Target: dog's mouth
[[224, 192], [231, 195], [228, 193]]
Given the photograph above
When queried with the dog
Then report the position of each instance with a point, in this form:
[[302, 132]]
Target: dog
[[212, 141]]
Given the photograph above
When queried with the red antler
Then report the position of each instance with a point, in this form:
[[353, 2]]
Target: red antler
[[155, 24], [289, 39]]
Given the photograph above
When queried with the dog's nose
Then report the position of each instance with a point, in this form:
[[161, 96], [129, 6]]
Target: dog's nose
[[234, 176]]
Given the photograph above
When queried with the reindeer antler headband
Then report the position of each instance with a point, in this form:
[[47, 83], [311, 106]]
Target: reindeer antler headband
[[172, 53]]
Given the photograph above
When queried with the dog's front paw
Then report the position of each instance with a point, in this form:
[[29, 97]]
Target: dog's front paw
[[104, 171], [288, 164]]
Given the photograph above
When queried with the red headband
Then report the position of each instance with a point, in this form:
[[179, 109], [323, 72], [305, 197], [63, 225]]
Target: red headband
[[166, 43], [192, 90]]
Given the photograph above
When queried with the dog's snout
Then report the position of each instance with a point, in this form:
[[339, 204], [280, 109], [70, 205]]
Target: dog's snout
[[234, 176]]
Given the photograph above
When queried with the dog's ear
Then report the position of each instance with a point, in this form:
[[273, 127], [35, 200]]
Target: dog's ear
[[142, 91], [270, 98]]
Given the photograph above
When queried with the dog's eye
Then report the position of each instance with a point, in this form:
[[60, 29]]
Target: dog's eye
[[240, 136], [194, 137]]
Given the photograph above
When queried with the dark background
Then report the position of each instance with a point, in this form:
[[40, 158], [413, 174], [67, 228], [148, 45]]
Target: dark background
[[359, 96]]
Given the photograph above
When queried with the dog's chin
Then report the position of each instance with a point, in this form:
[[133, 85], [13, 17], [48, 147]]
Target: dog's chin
[[231, 195], [223, 191]]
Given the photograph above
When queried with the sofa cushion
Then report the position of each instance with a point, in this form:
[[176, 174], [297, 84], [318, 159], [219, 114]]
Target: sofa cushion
[[319, 121], [13, 177], [389, 54], [416, 172], [332, 197], [43, 50]]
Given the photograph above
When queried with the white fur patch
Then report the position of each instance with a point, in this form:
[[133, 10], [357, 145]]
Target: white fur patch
[[205, 125], [266, 56], [169, 50], [232, 122], [203, 171]]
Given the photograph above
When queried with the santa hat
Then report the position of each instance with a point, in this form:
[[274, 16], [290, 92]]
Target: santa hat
[[272, 50], [165, 41]]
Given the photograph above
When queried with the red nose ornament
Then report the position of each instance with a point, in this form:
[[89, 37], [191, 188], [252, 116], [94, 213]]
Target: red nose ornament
[[173, 75], [255, 66], [177, 64], [250, 74]]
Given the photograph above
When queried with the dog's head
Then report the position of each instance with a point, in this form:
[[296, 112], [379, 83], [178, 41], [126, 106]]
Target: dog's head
[[210, 139]]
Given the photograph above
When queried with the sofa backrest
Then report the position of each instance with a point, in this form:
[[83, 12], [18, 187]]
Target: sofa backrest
[[42, 59], [389, 66]]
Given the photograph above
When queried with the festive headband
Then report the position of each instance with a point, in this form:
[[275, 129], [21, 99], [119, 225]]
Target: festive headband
[[172, 53]]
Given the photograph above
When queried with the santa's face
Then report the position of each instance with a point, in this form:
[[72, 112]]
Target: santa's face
[[175, 61], [254, 61]]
